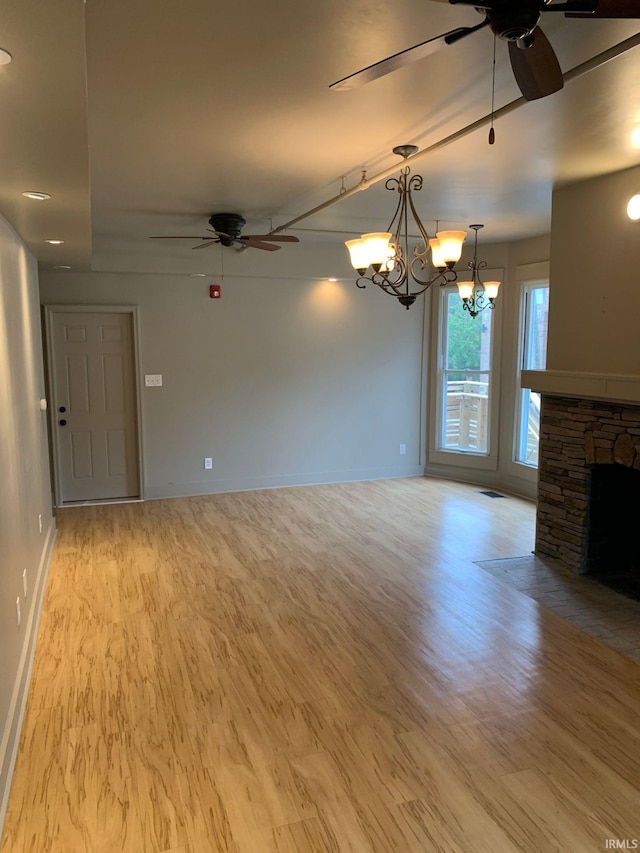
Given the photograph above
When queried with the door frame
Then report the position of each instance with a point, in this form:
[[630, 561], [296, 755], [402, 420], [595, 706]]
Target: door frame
[[132, 310]]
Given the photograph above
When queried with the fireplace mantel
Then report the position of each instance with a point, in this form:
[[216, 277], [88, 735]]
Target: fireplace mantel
[[585, 386]]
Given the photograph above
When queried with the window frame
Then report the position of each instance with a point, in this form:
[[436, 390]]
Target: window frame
[[529, 277], [438, 455]]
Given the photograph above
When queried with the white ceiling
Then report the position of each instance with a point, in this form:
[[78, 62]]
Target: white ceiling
[[143, 117]]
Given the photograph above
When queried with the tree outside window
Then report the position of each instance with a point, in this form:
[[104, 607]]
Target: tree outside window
[[464, 379]]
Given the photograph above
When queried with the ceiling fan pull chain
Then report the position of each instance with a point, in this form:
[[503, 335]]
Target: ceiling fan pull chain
[[221, 263], [492, 133]]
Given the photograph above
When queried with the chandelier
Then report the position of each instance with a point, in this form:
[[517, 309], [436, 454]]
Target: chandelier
[[476, 294], [394, 268]]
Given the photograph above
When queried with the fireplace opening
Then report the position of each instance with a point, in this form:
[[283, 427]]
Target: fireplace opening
[[613, 528]]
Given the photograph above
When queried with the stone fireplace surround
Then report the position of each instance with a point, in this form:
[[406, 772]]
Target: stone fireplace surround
[[586, 420], [575, 435]]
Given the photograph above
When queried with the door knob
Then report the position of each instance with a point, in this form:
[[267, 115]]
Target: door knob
[[62, 422]]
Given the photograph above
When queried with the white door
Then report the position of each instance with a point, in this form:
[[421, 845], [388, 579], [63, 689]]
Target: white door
[[95, 424]]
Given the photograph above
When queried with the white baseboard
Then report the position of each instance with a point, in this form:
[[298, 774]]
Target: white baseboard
[[13, 726], [249, 484]]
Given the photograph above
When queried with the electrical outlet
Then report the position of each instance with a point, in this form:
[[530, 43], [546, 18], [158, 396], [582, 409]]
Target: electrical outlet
[[403, 450], [40, 522], [18, 614], [208, 463], [24, 582]]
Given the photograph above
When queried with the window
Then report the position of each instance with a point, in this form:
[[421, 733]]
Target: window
[[533, 356], [464, 377]]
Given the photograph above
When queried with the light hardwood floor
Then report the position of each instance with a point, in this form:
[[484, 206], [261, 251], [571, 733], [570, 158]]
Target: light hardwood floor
[[316, 669]]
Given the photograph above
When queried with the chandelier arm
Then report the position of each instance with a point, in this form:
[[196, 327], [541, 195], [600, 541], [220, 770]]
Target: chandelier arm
[[418, 221], [467, 306], [389, 288], [390, 283], [406, 193], [400, 200], [475, 268], [395, 279], [447, 276], [395, 225]]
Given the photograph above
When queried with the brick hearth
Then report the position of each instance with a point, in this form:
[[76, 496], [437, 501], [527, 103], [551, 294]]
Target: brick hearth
[[575, 435]]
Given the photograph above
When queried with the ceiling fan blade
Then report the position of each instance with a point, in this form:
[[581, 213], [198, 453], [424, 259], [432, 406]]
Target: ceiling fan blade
[[463, 32], [206, 243], [536, 68], [483, 4], [586, 7], [258, 244], [404, 57], [220, 233], [610, 9], [280, 238], [180, 237]]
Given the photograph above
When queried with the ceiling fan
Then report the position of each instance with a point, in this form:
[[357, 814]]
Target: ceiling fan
[[533, 60], [227, 227]]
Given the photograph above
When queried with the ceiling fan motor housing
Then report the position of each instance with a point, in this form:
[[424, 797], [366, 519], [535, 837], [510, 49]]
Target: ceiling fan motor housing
[[230, 224], [514, 22]]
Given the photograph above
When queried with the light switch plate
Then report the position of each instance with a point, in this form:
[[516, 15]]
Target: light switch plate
[[152, 379]]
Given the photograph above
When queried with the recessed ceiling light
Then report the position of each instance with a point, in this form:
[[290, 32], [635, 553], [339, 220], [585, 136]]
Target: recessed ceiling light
[[197, 275], [55, 242], [332, 279], [5, 57], [62, 267], [36, 196]]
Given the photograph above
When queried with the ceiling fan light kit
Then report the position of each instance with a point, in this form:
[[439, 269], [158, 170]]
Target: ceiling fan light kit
[[403, 273]]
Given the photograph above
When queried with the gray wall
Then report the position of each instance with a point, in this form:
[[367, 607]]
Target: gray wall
[[293, 380], [594, 306], [282, 381], [24, 486]]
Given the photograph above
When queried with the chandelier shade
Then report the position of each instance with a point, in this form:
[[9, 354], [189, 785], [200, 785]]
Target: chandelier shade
[[437, 258], [376, 247], [491, 289], [450, 245], [358, 255], [465, 289]]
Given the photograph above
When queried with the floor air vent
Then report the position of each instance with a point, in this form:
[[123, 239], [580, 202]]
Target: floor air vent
[[492, 494]]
